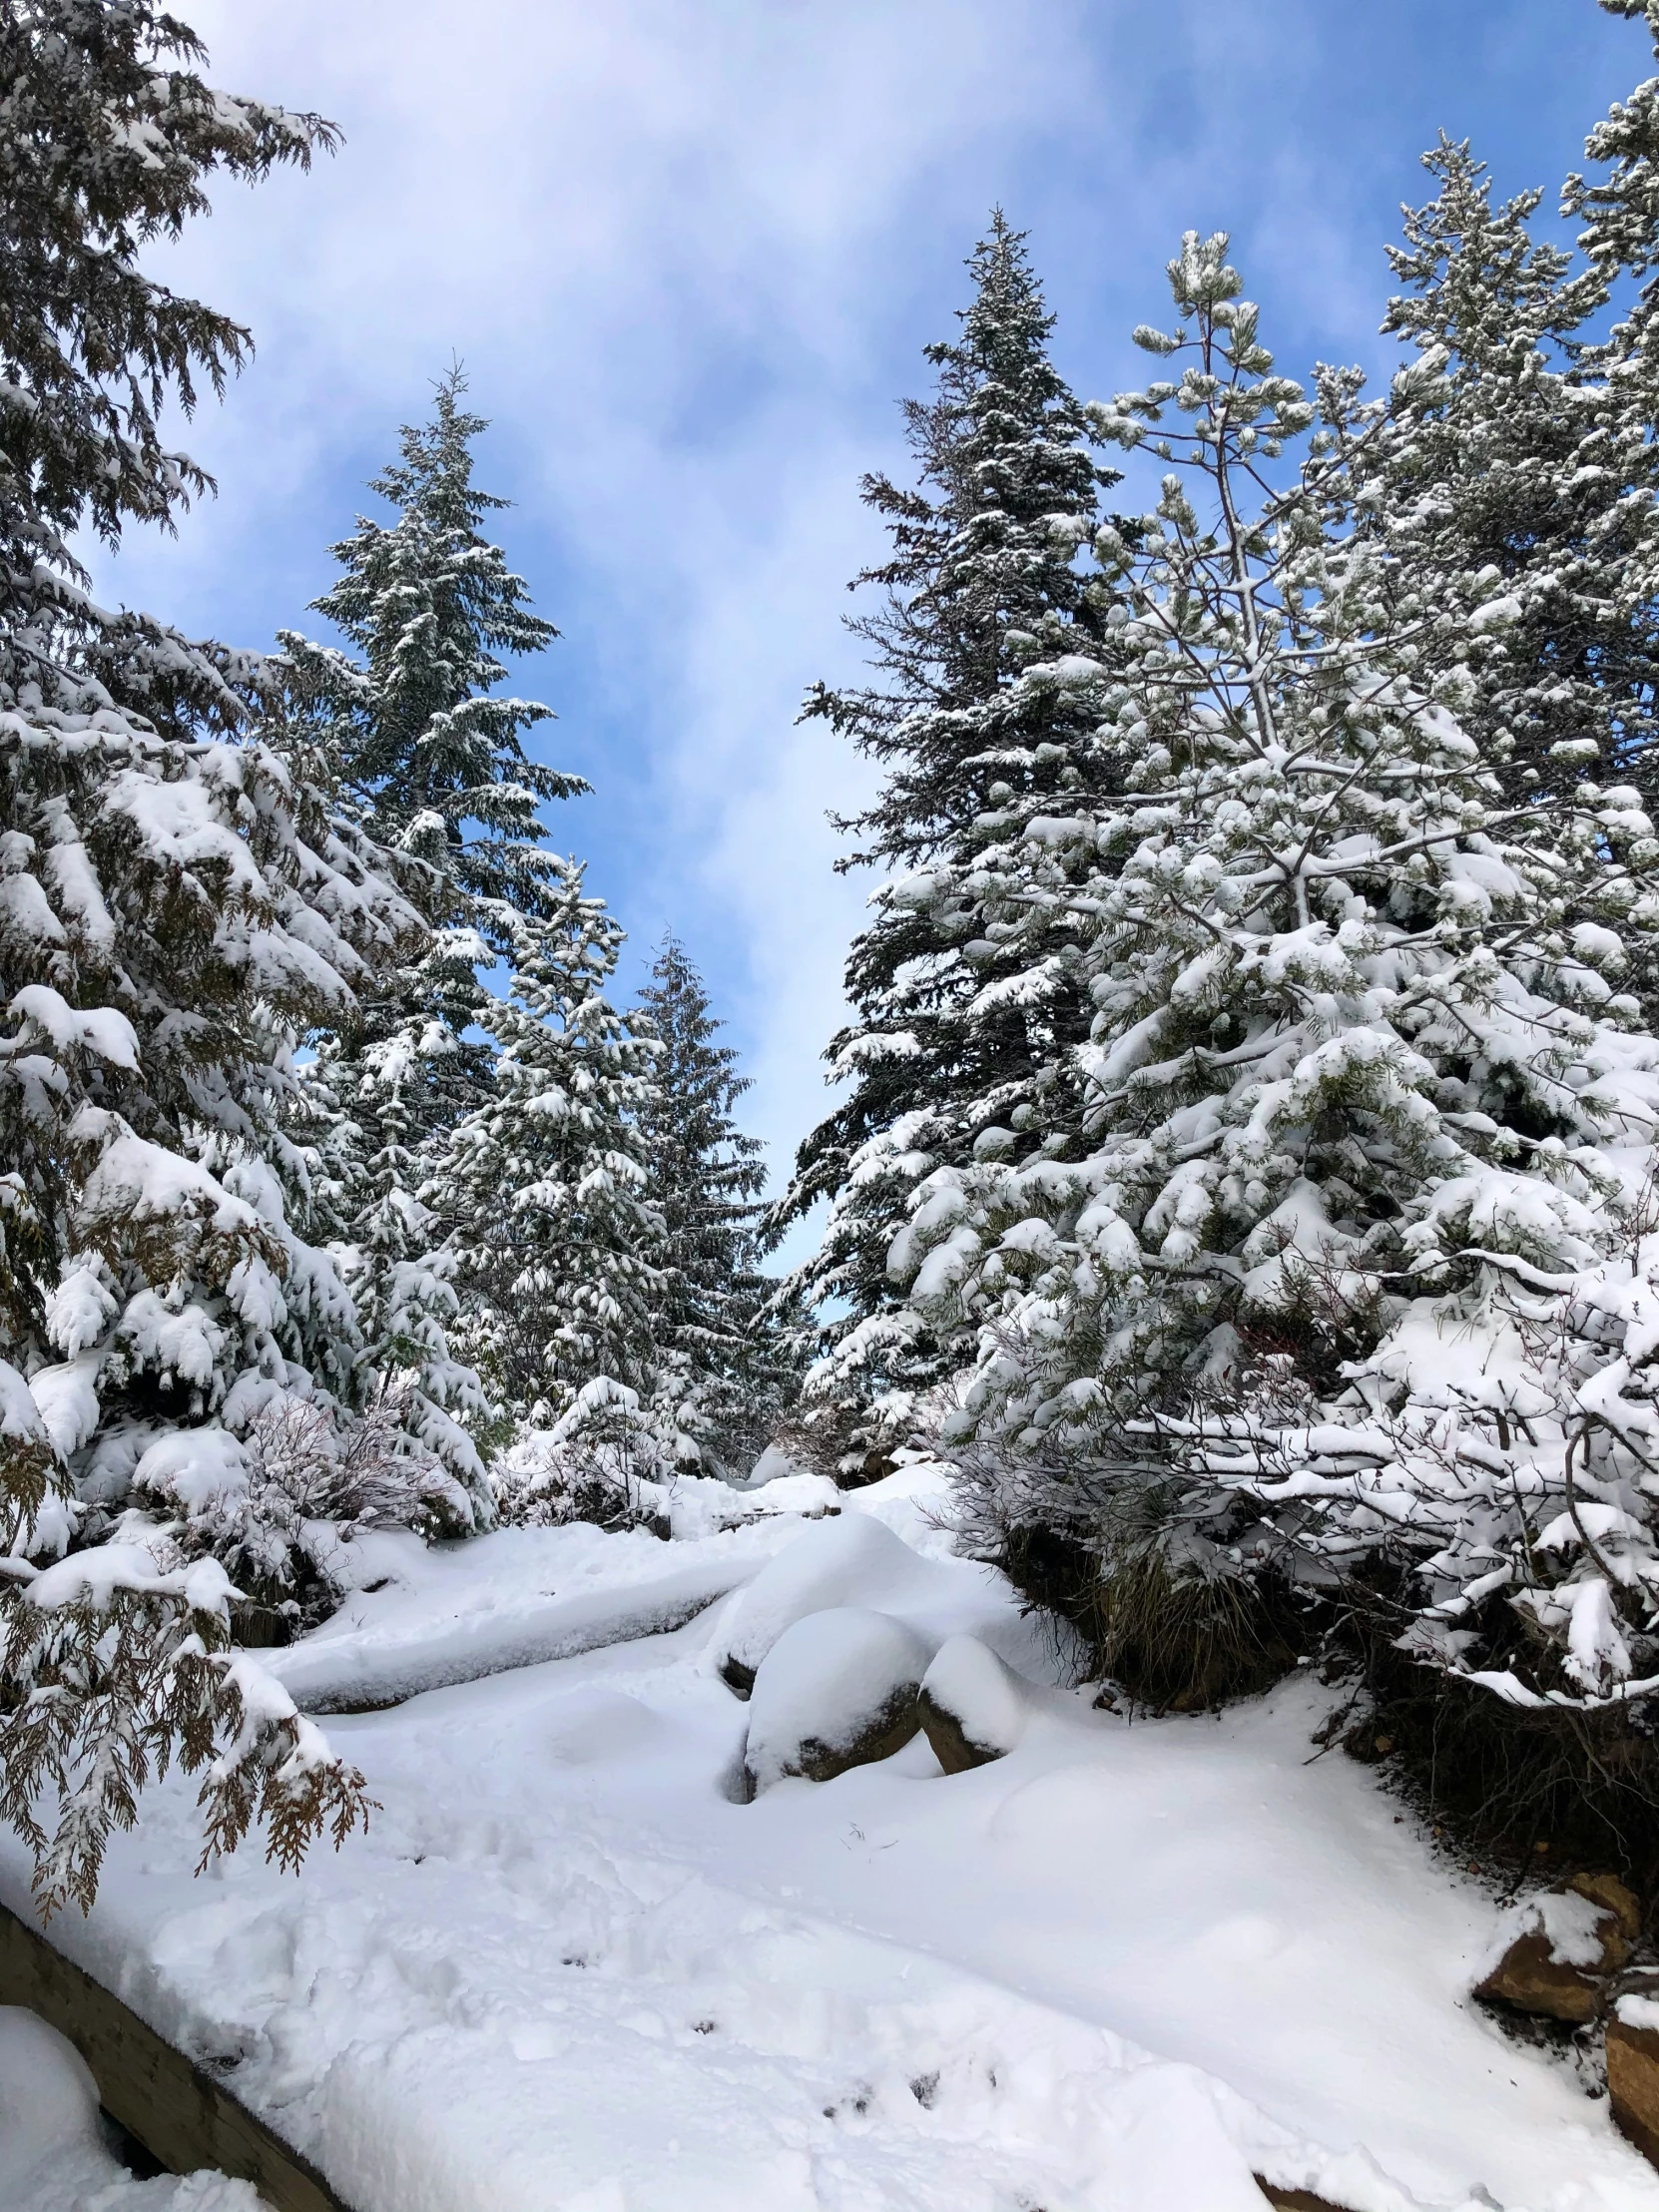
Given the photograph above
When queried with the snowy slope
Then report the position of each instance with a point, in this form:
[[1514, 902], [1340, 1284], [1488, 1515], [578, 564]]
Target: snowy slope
[[1111, 1973]]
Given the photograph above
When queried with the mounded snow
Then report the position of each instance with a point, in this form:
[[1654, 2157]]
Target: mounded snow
[[855, 1560], [969, 1682], [827, 1680], [52, 2157], [1113, 1972]]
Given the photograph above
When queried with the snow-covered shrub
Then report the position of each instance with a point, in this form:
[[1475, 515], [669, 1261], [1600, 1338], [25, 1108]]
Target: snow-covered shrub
[[1184, 1595], [276, 1508], [1501, 1451], [608, 1459], [837, 1431]]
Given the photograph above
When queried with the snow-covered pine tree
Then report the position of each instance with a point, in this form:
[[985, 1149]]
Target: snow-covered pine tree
[[1519, 473], [986, 650], [420, 730], [556, 1239], [396, 1262], [175, 911], [428, 755], [716, 1330], [1349, 1264], [1620, 215]]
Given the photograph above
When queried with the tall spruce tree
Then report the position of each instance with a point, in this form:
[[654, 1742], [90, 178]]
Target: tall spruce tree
[[1619, 211], [714, 1319], [988, 648], [176, 912], [429, 751], [426, 752]]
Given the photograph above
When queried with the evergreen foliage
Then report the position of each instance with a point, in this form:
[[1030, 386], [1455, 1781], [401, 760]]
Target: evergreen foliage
[[1374, 1117], [176, 912], [714, 1325], [1620, 238], [1525, 472], [429, 756], [557, 1241], [420, 747], [988, 648], [110, 138]]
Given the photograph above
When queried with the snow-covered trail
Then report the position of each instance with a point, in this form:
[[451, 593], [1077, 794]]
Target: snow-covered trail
[[1111, 1973]]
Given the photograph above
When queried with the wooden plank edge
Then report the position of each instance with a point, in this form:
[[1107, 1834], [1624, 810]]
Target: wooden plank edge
[[183, 2118]]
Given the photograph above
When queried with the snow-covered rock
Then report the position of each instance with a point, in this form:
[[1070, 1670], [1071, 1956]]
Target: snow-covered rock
[[47, 2108], [851, 1560], [1551, 1952], [971, 1705], [1633, 2070], [838, 1689], [771, 1467]]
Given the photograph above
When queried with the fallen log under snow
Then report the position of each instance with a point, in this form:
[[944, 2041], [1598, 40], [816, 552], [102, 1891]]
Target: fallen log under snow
[[368, 1670]]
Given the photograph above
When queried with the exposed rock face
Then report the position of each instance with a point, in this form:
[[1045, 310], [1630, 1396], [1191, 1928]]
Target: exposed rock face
[[1563, 1945], [1608, 1891], [839, 1689], [1531, 1979], [1633, 2071], [971, 1705]]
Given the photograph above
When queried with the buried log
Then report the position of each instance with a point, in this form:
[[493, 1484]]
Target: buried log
[[181, 2115], [369, 1672], [1294, 2200]]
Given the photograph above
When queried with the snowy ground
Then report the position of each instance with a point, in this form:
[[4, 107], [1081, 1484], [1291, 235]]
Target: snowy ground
[[566, 1973]]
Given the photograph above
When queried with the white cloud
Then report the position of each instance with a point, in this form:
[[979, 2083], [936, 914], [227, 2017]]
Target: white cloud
[[689, 250], [673, 239]]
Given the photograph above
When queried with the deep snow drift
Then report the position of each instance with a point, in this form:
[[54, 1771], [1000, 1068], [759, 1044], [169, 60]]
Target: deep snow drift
[[567, 1971], [52, 2157]]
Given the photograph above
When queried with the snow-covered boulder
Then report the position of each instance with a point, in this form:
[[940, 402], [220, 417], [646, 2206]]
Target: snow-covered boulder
[[771, 1467], [1552, 1951], [838, 1689], [52, 2148], [848, 1561], [970, 1705], [1633, 2069]]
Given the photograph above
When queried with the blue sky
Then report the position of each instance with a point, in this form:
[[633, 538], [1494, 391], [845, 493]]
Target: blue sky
[[690, 250]]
